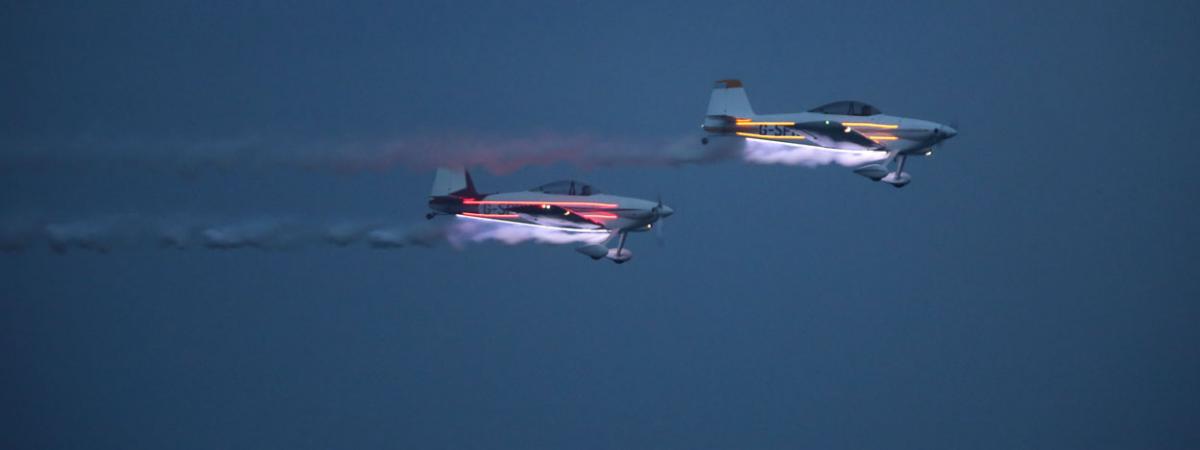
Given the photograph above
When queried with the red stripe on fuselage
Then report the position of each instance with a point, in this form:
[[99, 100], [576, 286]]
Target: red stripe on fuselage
[[492, 216], [468, 201], [594, 216]]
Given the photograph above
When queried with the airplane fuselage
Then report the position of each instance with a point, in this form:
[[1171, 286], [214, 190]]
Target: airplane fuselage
[[899, 134], [851, 133], [880, 132], [600, 212]]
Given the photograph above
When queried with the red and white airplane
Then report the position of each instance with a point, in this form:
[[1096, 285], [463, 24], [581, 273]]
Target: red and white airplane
[[563, 206]]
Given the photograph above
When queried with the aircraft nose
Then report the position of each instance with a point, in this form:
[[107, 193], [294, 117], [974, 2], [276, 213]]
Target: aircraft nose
[[949, 131], [665, 211]]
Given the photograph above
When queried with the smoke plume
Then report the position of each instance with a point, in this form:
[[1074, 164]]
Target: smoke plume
[[469, 231], [123, 232], [767, 152], [498, 154], [108, 234]]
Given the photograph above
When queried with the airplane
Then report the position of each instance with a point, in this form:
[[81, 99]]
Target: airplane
[[563, 206], [851, 130]]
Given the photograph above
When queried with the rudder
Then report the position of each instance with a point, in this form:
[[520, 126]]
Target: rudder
[[729, 99], [452, 182]]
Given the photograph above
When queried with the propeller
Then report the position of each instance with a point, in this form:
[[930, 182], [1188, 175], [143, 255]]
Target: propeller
[[660, 213], [658, 233]]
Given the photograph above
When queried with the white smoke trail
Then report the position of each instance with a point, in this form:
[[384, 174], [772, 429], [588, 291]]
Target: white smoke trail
[[99, 236], [262, 233], [498, 154], [344, 233], [107, 234], [395, 237], [766, 152], [466, 231]]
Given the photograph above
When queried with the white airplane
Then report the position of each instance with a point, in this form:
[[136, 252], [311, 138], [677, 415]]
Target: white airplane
[[850, 131], [563, 206]]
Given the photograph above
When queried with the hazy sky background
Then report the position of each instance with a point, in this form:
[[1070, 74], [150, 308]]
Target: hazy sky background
[[1034, 287]]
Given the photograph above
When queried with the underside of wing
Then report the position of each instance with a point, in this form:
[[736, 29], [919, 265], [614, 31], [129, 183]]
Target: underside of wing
[[835, 135], [823, 133], [554, 215]]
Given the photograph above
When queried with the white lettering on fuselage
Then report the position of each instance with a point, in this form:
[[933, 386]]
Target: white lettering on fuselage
[[777, 130], [492, 209]]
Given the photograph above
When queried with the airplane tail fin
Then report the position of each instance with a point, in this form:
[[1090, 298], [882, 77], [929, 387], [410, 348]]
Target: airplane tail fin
[[729, 99], [453, 182]]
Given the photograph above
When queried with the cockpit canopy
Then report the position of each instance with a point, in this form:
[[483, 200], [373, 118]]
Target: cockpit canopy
[[847, 108], [567, 187]]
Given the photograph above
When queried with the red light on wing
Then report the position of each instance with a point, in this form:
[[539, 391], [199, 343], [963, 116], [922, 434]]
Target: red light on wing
[[521, 202], [492, 216], [784, 124], [599, 216]]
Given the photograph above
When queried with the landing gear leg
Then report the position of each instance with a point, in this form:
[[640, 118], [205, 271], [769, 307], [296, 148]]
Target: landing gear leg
[[621, 256], [898, 178]]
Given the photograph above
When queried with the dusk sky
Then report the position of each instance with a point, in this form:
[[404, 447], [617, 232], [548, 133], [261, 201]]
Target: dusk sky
[[1034, 287]]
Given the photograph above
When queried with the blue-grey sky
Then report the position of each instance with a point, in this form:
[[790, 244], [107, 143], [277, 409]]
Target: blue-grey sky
[[1034, 287]]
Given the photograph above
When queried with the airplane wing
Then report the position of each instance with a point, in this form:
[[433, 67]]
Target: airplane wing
[[554, 215], [830, 133], [822, 133]]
